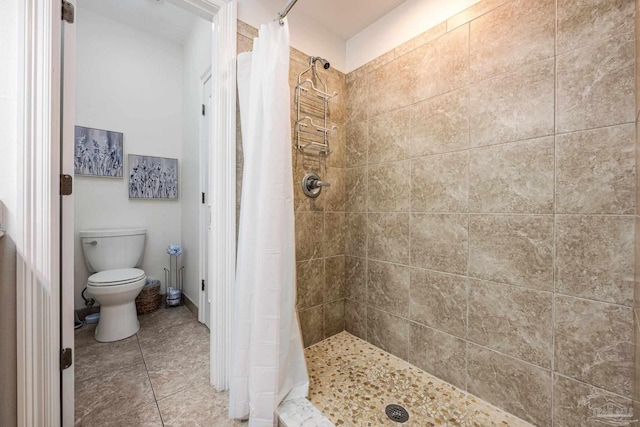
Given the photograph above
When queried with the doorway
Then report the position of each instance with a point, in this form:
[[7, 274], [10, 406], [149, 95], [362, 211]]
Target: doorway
[[224, 18]]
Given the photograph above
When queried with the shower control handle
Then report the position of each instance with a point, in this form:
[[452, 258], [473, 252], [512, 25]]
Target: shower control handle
[[317, 183], [92, 243], [312, 185]]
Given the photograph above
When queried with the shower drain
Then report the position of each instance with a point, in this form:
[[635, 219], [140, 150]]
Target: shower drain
[[397, 413]]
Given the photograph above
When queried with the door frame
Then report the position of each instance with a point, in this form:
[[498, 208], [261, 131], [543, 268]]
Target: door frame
[[205, 206], [43, 276]]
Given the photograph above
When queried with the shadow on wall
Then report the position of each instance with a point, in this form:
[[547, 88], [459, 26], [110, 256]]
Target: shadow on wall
[[8, 344]]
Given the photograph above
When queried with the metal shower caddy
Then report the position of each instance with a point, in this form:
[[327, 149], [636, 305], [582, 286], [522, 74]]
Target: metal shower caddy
[[312, 129]]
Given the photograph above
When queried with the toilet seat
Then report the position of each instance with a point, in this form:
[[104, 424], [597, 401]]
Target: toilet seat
[[120, 276]]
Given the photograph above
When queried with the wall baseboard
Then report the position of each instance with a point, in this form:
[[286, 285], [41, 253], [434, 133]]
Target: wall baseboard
[[193, 308]]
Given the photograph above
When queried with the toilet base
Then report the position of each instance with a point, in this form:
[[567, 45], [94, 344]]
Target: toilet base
[[117, 322]]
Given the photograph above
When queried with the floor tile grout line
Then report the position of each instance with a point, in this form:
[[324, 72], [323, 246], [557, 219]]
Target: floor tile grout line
[[155, 399]]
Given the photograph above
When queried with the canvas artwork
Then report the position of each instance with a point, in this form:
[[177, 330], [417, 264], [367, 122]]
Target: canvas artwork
[[98, 153], [152, 177]]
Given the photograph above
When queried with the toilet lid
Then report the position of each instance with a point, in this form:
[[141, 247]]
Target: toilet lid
[[116, 277]]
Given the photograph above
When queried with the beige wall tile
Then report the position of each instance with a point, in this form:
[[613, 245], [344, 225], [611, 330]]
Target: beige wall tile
[[473, 12], [439, 301], [309, 235], [512, 320], [336, 83], [303, 164], [311, 324], [247, 30], [440, 124], [440, 66], [596, 171], [334, 238], [594, 257], [243, 44], [440, 242], [356, 278], [440, 183], [388, 237], [515, 386], [355, 318], [356, 189], [584, 22], [389, 187], [357, 97], [334, 285], [575, 403], [389, 136], [425, 37], [333, 318], [357, 140], [596, 85], [389, 332], [594, 343], [518, 33], [335, 196], [338, 147], [378, 62], [516, 177], [440, 354], [310, 283], [513, 249], [513, 107], [388, 287], [391, 86], [356, 235]]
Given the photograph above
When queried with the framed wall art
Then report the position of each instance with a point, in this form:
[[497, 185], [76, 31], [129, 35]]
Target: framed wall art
[[98, 153], [152, 177]]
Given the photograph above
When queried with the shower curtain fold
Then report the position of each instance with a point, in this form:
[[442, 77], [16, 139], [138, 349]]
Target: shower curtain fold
[[268, 362]]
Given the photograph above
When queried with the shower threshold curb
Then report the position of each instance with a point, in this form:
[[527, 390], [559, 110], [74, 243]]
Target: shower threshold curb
[[301, 413]]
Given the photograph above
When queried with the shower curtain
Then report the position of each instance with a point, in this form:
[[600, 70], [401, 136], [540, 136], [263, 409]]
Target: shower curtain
[[268, 362]]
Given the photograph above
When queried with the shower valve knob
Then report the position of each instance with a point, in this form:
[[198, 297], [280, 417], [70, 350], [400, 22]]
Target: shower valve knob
[[312, 185]]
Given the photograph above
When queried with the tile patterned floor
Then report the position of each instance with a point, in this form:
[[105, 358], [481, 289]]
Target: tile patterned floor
[[352, 382], [158, 377]]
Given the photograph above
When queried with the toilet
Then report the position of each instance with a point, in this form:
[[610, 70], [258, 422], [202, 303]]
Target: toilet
[[113, 255]]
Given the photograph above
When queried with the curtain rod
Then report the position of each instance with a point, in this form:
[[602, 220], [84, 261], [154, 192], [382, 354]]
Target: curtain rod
[[286, 10]]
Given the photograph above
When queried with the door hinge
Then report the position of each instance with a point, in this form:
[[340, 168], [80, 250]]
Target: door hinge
[[203, 109], [66, 185], [203, 284], [202, 198], [66, 358], [68, 12]]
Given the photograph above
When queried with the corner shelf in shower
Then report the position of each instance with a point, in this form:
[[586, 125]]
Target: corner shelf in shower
[[312, 130]]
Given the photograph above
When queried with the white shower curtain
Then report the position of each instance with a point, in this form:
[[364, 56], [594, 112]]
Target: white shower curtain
[[267, 352]]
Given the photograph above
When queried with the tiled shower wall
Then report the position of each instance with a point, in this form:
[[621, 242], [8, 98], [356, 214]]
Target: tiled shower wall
[[491, 198], [320, 222]]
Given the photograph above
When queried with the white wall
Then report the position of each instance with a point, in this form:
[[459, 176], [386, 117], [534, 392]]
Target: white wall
[[130, 82], [408, 20], [306, 34], [8, 113], [196, 60]]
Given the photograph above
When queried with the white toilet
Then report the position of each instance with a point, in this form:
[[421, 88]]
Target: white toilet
[[112, 255]]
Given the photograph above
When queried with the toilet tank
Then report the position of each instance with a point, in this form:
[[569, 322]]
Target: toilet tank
[[113, 249]]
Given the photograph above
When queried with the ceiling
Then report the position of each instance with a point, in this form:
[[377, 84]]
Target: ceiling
[[157, 17], [346, 18]]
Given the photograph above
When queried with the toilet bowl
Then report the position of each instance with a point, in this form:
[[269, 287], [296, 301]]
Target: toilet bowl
[[113, 255], [116, 291]]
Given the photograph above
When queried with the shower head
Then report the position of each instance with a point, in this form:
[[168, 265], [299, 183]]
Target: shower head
[[324, 62]]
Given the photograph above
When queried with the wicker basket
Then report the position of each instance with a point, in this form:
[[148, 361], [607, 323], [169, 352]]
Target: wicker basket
[[149, 299]]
